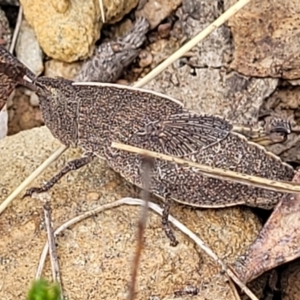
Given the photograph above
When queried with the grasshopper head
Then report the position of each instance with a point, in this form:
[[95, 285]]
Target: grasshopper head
[[59, 108], [11, 74]]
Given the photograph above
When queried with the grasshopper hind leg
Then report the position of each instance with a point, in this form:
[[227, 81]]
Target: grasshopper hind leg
[[165, 221]]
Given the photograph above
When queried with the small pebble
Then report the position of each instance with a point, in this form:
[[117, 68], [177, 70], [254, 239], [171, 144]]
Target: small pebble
[[92, 196], [164, 30], [145, 59], [10, 102], [39, 116], [34, 99], [122, 82]]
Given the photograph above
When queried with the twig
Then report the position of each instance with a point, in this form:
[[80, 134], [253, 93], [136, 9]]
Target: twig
[[188, 46], [146, 167], [198, 241], [273, 185], [157, 209], [52, 248], [32, 176], [17, 30]]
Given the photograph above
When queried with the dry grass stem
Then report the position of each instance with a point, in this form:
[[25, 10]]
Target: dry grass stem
[[187, 47], [157, 209], [146, 167], [102, 10], [52, 248], [273, 185], [70, 223], [236, 294], [17, 30], [32, 176]]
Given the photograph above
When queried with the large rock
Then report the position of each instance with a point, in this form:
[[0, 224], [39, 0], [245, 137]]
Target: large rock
[[266, 38], [95, 255], [67, 30], [115, 10], [64, 31], [156, 11], [202, 80], [55, 68]]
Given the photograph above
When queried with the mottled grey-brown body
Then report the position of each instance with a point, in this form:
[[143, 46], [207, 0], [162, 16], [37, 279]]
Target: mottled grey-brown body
[[92, 116]]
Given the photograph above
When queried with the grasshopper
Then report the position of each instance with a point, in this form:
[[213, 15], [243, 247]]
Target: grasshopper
[[93, 115]]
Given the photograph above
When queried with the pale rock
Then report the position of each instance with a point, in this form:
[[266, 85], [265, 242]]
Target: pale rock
[[157, 10], [34, 99], [3, 122], [266, 38], [55, 68], [65, 32], [115, 10], [28, 50]]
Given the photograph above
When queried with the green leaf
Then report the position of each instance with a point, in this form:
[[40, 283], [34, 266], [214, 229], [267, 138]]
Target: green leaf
[[43, 290]]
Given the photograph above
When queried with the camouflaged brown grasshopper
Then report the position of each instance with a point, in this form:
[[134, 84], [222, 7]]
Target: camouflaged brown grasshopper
[[93, 115]]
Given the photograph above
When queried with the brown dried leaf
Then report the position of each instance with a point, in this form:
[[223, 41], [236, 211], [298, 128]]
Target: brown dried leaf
[[266, 35], [277, 243]]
